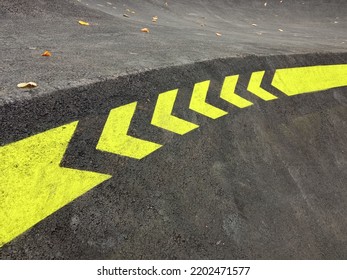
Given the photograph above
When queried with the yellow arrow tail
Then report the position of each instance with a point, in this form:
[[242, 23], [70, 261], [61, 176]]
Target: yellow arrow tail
[[33, 185], [293, 81]]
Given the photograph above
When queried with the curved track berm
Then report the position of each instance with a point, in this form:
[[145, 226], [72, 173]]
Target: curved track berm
[[177, 143]]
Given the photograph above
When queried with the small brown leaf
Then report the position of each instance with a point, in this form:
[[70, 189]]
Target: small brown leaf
[[154, 19], [81, 22], [130, 11], [146, 30], [218, 34], [27, 85], [125, 15], [46, 53]]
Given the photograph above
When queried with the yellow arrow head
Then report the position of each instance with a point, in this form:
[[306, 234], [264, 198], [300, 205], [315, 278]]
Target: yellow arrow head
[[115, 139], [228, 92], [33, 185], [198, 102], [162, 116], [254, 86]]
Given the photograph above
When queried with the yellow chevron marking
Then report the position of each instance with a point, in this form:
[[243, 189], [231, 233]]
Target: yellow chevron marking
[[162, 115], [33, 185], [114, 138], [293, 81], [254, 86], [228, 92], [198, 102]]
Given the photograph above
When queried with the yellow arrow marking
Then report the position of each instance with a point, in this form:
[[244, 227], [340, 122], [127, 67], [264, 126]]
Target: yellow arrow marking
[[254, 86], [293, 81], [114, 138], [33, 185], [162, 114], [228, 92], [198, 102]]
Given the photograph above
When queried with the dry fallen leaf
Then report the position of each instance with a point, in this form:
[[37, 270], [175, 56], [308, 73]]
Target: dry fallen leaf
[[125, 15], [254, 24], [130, 11], [154, 19], [81, 22], [279, 29], [145, 30], [218, 34], [27, 85], [46, 53]]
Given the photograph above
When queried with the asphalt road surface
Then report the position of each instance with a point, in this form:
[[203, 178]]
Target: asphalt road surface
[[219, 134]]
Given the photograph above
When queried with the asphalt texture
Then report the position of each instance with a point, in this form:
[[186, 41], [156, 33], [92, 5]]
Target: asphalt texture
[[113, 44], [266, 182]]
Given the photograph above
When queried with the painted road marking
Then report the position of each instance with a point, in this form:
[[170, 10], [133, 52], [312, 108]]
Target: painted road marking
[[293, 81], [114, 138], [254, 86], [198, 102], [33, 185], [229, 95], [162, 115]]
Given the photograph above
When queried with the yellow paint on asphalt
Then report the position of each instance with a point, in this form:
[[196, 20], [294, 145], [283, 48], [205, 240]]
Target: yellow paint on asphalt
[[293, 81], [33, 185], [228, 92], [162, 114], [254, 86], [114, 138], [198, 102]]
